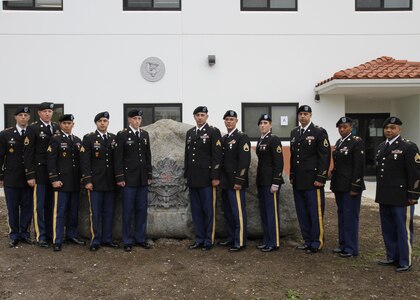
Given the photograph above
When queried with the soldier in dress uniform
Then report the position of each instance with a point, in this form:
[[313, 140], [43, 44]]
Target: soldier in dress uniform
[[397, 191], [347, 184], [98, 178], [133, 172], [203, 158], [233, 181], [36, 143], [64, 172], [309, 162], [269, 181], [12, 177]]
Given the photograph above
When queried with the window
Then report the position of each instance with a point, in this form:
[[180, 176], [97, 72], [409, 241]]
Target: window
[[369, 5], [9, 113], [154, 112], [152, 4], [269, 5], [283, 115], [33, 5]]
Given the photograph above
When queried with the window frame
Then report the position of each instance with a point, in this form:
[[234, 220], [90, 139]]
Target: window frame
[[152, 8], [268, 8], [141, 106], [33, 7], [270, 110], [383, 8], [11, 107]]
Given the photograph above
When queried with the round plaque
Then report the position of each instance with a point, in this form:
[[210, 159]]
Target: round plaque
[[152, 69]]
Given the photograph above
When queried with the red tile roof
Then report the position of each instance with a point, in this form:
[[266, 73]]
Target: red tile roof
[[384, 67]]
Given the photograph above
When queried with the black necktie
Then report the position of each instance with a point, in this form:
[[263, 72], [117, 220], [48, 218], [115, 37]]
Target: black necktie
[[387, 145], [137, 134], [71, 137], [105, 138], [49, 128], [198, 132], [302, 131], [23, 132]]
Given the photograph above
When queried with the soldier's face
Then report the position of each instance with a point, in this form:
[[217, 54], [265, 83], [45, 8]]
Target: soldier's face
[[304, 118], [265, 126], [66, 126], [391, 131], [135, 122], [344, 129], [201, 118], [22, 119], [102, 124], [230, 123], [45, 115]]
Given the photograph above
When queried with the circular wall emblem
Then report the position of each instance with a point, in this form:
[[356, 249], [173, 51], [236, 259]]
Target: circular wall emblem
[[152, 69]]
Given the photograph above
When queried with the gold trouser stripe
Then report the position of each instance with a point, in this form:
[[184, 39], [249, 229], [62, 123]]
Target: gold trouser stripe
[[36, 214], [241, 221], [321, 225], [91, 218], [277, 219], [407, 225], [55, 216], [214, 215]]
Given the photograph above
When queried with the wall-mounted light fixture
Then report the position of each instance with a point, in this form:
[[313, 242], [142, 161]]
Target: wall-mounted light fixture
[[317, 97], [211, 60]]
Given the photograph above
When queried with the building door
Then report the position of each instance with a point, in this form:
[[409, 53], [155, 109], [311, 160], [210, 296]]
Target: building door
[[369, 128]]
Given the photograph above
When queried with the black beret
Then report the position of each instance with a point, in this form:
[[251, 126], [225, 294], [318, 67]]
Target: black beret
[[67, 117], [103, 114], [304, 108], [392, 120], [230, 113], [201, 109], [135, 113], [264, 117], [343, 120], [22, 109], [46, 105]]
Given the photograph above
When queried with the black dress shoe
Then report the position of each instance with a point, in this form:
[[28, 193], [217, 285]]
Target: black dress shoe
[[262, 246], [206, 248], [144, 245], [337, 250], [76, 241], [128, 248], [43, 244], [345, 255], [236, 248], [387, 262], [26, 240], [311, 250], [302, 247], [94, 247], [226, 243], [195, 246], [57, 247], [13, 243], [111, 245], [269, 249], [402, 269]]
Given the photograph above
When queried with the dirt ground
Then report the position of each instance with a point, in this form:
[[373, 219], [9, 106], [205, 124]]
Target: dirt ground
[[171, 271]]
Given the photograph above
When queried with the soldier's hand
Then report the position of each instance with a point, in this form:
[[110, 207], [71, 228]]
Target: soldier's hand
[[412, 201], [149, 181], [89, 186], [318, 184], [215, 182], [237, 187], [31, 182], [274, 188], [352, 194], [57, 184], [121, 183]]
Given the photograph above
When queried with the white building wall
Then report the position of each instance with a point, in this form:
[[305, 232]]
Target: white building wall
[[408, 110], [88, 56]]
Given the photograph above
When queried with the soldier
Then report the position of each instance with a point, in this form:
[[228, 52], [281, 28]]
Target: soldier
[[133, 172], [234, 181], [309, 163], [12, 177], [397, 191], [269, 181], [203, 157], [347, 184], [35, 157], [64, 173], [97, 165]]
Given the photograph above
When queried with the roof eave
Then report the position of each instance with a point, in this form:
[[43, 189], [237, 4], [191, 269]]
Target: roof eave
[[333, 86]]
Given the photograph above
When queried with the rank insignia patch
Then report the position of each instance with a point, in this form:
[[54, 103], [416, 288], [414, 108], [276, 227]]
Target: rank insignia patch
[[278, 149], [326, 143], [26, 141], [417, 158], [218, 143], [49, 149], [246, 147]]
